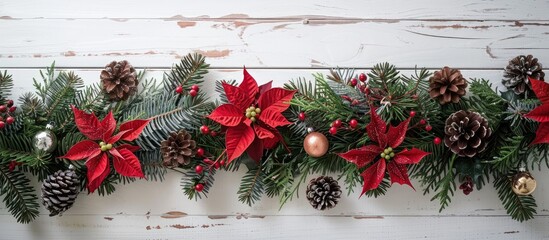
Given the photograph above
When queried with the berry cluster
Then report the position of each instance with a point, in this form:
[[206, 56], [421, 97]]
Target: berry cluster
[[199, 169], [467, 186], [193, 92], [6, 112]]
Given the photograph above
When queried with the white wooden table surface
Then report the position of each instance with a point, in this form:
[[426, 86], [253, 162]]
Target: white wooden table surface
[[277, 40]]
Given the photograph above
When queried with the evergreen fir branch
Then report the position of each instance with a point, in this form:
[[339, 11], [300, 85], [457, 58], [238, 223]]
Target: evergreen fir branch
[[6, 84], [520, 208], [510, 153], [446, 186], [18, 194], [252, 186], [186, 73], [190, 178]]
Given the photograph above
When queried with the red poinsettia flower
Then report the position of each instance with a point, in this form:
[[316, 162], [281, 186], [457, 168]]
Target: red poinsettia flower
[[100, 147], [251, 117], [385, 151], [540, 113]]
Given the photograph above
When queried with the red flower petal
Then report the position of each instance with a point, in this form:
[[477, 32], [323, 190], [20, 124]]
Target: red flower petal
[[269, 143], [262, 133], [255, 151], [238, 97], [376, 129], [542, 134], [128, 165], [399, 174], [98, 170], [109, 125], [541, 89], [237, 140], [273, 118], [263, 88], [410, 157], [276, 98], [115, 153], [83, 149], [396, 135], [116, 137], [373, 176], [88, 124], [129, 147], [228, 115], [134, 129], [362, 156], [539, 114], [249, 85]]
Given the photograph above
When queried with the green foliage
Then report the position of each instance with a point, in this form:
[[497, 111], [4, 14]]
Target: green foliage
[[188, 72], [6, 83], [252, 186], [18, 195], [521, 208]]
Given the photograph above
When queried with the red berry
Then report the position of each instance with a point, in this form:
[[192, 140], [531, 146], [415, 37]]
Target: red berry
[[366, 90], [354, 82], [428, 128], [333, 130], [422, 122], [301, 116], [2, 124], [213, 134], [208, 161], [217, 165], [414, 96], [195, 87], [412, 113], [199, 187], [198, 169], [355, 102], [1, 118], [10, 120], [179, 89], [205, 130], [3, 108], [222, 162], [362, 77], [353, 123], [10, 103], [13, 108], [337, 123], [437, 140], [200, 152], [193, 93]]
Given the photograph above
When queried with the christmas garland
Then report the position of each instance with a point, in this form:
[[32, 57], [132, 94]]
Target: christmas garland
[[371, 129]]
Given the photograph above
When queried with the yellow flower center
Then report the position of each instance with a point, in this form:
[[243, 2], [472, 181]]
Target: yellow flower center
[[252, 113], [105, 147], [387, 153]]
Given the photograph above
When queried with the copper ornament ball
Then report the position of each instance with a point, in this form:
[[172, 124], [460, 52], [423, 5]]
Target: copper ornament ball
[[523, 183], [316, 144]]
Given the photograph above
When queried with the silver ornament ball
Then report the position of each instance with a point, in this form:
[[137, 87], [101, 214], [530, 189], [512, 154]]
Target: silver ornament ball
[[45, 140]]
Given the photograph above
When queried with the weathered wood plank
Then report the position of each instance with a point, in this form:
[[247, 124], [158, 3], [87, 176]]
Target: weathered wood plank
[[421, 9], [271, 43], [274, 227]]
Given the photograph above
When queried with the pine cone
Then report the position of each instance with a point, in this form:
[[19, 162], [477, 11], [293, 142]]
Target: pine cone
[[178, 149], [323, 192], [517, 73], [59, 191], [119, 80], [447, 85], [466, 133]]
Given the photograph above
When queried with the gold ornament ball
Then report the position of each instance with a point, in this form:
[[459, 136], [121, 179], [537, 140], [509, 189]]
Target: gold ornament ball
[[523, 183], [316, 144]]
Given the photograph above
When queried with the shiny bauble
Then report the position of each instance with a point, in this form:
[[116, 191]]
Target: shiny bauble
[[316, 144], [523, 183], [45, 141]]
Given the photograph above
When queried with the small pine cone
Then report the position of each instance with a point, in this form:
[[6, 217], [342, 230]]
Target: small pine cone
[[178, 149], [466, 133], [517, 73], [119, 80], [447, 85], [323, 193], [59, 191]]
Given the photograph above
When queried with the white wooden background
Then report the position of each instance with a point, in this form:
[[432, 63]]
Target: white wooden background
[[277, 40]]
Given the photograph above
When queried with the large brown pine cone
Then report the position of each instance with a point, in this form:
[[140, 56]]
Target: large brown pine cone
[[517, 73], [467, 133], [323, 192], [447, 85], [59, 191], [178, 149], [119, 80]]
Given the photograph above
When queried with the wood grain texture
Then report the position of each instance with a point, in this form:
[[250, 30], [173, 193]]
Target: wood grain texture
[[278, 40]]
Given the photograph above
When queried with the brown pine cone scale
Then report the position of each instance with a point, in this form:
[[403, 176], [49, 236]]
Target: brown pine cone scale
[[178, 149], [119, 80], [467, 133], [447, 85]]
